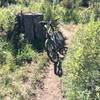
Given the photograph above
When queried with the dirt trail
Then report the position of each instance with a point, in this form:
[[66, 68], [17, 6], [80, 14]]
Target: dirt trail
[[52, 85], [68, 31]]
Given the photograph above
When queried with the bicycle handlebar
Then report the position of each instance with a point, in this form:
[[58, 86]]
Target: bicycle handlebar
[[50, 22], [43, 22]]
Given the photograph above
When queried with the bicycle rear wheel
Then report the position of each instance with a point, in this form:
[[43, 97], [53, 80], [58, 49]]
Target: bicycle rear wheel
[[58, 69]]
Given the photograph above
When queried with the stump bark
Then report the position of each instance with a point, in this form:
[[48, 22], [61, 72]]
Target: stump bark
[[28, 24]]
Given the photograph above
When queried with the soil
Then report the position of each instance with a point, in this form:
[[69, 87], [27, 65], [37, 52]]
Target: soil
[[52, 88]]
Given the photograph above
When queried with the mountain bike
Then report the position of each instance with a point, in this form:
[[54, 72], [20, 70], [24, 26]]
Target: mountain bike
[[54, 45], [55, 41]]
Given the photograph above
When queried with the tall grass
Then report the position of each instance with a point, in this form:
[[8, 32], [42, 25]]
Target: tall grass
[[19, 72], [83, 64]]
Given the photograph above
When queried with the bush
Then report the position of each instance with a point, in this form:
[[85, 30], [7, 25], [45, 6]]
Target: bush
[[25, 55], [6, 57], [74, 14], [87, 15], [7, 18], [83, 64], [2, 53], [79, 11]]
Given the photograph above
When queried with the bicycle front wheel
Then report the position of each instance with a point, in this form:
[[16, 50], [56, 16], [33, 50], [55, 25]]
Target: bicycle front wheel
[[51, 52]]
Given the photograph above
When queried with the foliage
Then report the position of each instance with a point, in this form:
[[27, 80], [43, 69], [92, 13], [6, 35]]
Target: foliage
[[2, 53], [83, 57], [6, 19], [83, 64], [6, 2], [25, 55], [6, 57], [75, 14], [18, 53], [8, 15], [21, 84], [81, 11], [87, 15]]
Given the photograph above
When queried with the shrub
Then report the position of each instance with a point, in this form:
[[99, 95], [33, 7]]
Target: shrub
[[6, 57], [26, 54], [7, 19], [5, 47], [83, 64], [87, 15], [2, 53]]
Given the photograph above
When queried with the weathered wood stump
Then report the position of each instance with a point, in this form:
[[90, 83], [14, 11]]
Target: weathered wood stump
[[28, 23]]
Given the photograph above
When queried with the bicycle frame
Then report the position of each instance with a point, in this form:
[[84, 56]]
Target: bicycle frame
[[51, 34]]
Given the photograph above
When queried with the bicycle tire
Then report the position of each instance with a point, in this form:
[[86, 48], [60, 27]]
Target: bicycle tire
[[57, 69], [51, 52]]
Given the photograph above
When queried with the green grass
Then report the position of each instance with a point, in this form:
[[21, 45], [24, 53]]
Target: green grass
[[82, 64], [18, 76], [20, 84]]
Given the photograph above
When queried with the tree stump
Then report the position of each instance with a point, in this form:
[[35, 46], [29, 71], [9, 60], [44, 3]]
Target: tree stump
[[28, 23]]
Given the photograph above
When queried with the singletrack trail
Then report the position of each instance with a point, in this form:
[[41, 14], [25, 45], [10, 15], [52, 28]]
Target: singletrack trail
[[52, 88]]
